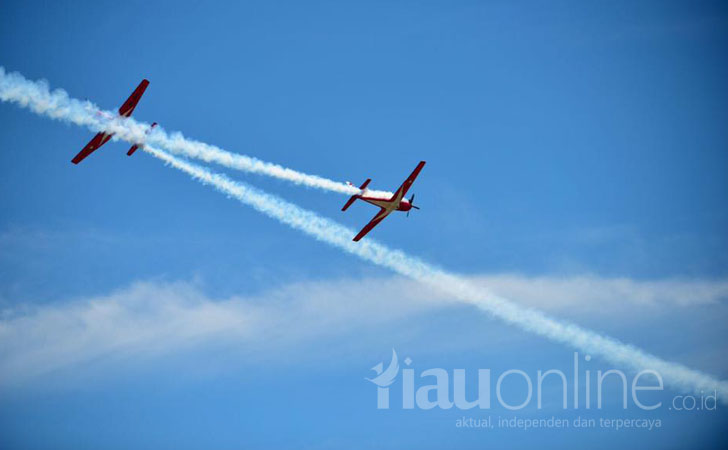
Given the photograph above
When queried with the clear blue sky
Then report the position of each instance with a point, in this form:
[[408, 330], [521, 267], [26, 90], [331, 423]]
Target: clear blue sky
[[563, 140]]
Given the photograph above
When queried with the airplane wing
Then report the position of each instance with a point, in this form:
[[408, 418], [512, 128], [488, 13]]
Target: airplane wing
[[372, 223], [127, 108], [402, 191], [93, 145]]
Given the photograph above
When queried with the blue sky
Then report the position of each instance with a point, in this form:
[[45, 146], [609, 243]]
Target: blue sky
[[576, 163]]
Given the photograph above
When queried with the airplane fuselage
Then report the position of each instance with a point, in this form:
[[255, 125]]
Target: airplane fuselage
[[388, 205]]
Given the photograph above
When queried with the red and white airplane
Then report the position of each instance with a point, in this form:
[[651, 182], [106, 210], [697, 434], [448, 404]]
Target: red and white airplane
[[396, 203], [124, 111]]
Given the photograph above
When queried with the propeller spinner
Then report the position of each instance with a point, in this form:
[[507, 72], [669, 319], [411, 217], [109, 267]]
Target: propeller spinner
[[412, 204]]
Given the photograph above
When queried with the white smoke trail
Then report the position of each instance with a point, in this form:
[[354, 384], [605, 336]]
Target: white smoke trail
[[675, 375], [37, 96], [58, 105]]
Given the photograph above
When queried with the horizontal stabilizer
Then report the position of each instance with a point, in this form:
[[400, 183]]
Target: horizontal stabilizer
[[135, 147], [354, 197], [349, 202]]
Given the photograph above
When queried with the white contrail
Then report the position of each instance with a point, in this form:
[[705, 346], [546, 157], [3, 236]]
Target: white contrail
[[37, 96], [675, 375]]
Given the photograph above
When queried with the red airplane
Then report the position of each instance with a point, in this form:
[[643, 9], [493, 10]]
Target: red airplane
[[124, 111], [396, 203]]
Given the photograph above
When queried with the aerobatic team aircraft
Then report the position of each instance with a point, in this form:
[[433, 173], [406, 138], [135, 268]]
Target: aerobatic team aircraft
[[396, 203], [124, 111]]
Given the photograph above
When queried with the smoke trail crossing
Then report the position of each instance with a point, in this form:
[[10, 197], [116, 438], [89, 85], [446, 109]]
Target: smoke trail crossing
[[675, 375], [57, 104]]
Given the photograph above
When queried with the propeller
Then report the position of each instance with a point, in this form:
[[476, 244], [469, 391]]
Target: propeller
[[412, 204]]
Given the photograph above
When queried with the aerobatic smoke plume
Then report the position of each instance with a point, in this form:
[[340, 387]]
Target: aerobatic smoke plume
[[675, 375], [57, 104]]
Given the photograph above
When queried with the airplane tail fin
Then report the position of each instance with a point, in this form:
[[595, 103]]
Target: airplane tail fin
[[354, 197], [135, 147]]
